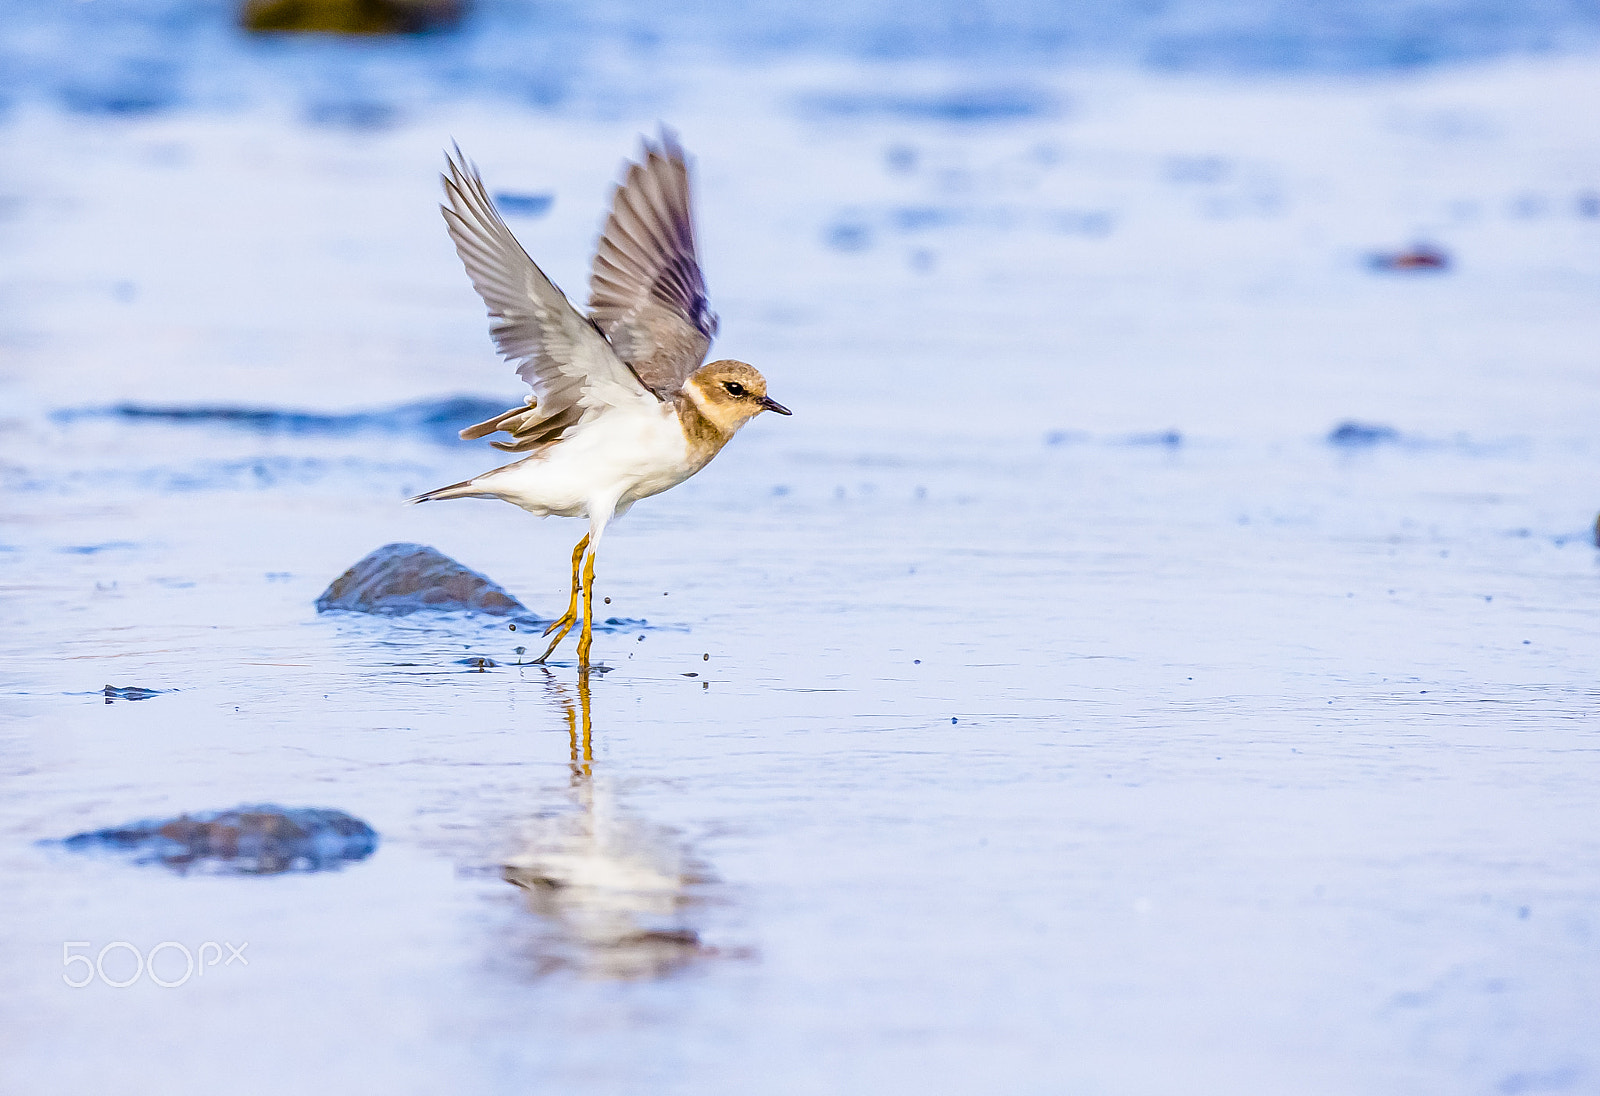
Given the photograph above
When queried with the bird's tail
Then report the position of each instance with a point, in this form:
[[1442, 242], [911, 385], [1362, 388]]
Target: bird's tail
[[466, 489]]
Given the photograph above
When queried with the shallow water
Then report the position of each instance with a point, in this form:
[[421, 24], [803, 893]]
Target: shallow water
[[1057, 702]]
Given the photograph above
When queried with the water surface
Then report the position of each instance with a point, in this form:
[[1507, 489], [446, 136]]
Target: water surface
[[1059, 701]]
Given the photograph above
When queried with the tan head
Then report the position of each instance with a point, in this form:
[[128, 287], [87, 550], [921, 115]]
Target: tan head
[[730, 394]]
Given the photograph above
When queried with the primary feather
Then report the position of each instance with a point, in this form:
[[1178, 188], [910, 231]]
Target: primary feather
[[572, 369], [646, 290]]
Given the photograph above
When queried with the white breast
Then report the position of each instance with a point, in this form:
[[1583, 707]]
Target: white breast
[[616, 459]]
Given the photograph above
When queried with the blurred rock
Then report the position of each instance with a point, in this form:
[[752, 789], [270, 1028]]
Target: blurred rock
[[254, 840], [351, 16], [1418, 257], [1362, 433], [398, 579]]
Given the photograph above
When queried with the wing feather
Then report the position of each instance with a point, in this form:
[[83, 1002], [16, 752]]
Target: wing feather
[[566, 360], [646, 289]]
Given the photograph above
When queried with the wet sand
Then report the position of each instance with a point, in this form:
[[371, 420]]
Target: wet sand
[[1082, 712]]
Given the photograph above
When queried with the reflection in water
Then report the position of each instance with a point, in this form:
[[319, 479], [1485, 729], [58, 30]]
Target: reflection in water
[[614, 894]]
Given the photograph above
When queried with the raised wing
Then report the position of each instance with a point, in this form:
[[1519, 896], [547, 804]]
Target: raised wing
[[573, 371], [646, 291]]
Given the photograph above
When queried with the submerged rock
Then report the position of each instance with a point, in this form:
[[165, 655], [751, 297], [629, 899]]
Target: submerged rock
[[252, 840], [398, 579], [130, 692]]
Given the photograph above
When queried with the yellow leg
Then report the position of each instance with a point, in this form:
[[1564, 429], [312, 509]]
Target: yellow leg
[[586, 638], [570, 617]]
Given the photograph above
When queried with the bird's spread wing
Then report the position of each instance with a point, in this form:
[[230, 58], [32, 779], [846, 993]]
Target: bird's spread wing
[[646, 291], [572, 369]]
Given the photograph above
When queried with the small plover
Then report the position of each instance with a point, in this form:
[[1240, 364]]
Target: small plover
[[621, 407]]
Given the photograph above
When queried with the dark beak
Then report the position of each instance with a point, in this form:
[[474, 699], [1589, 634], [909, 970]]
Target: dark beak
[[773, 405]]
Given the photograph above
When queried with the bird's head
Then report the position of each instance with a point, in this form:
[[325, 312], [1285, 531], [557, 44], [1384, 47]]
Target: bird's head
[[730, 394]]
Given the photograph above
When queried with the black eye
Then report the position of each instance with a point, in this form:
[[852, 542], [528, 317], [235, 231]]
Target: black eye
[[734, 389]]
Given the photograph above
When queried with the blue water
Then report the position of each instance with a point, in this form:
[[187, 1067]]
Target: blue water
[[1156, 656], [136, 57]]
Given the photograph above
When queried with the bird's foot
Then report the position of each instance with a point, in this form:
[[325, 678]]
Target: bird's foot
[[561, 626]]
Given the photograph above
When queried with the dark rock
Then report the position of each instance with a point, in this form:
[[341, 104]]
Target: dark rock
[[398, 579], [1355, 434], [130, 692], [351, 16], [1419, 257], [253, 840]]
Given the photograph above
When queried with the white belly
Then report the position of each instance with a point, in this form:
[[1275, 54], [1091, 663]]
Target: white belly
[[612, 461]]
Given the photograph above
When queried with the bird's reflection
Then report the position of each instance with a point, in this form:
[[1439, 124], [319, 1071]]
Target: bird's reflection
[[581, 741], [614, 894]]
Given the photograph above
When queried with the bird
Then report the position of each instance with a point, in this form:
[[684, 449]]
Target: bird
[[623, 404]]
